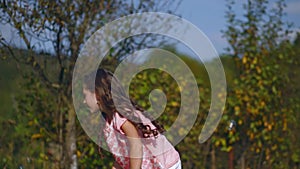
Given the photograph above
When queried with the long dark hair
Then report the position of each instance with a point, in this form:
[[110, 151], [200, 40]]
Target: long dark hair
[[103, 89]]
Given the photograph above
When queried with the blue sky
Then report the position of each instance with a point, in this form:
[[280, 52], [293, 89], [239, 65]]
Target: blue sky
[[208, 16]]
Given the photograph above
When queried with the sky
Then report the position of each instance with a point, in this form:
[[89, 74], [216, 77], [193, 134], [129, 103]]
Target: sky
[[208, 16]]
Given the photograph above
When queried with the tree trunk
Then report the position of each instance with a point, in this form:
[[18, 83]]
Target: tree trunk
[[243, 162], [230, 159], [71, 147], [61, 140], [213, 158], [206, 152]]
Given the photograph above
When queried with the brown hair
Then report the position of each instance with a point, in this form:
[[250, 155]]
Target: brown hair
[[103, 89]]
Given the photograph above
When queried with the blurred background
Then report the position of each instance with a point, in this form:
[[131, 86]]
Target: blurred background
[[258, 42]]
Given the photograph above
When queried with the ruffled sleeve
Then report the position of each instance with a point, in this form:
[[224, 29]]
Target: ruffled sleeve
[[118, 121]]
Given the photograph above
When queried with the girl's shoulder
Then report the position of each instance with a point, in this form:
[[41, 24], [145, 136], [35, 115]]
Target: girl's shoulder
[[118, 121]]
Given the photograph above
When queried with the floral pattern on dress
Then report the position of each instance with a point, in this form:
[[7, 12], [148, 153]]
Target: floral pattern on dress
[[118, 145]]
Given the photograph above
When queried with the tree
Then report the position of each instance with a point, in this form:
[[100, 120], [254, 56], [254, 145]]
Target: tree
[[61, 28], [259, 43], [293, 91]]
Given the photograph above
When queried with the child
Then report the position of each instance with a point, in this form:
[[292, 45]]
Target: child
[[134, 139]]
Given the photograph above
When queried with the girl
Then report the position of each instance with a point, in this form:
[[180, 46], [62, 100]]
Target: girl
[[135, 140]]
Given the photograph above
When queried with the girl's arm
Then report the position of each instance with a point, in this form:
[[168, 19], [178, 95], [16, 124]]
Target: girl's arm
[[135, 143]]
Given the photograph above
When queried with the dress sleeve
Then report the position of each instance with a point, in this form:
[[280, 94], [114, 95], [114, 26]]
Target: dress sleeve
[[118, 122]]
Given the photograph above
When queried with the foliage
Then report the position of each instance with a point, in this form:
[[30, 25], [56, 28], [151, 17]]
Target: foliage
[[59, 29], [258, 99], [261, 68]]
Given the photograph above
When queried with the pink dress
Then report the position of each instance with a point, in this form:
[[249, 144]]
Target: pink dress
[[158, 153]]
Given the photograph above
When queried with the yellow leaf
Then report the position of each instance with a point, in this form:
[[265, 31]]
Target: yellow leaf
[[217, 143], [269, 127], [258, 69], [240, 122], [30, 123], [244, 60], [254, 61], [274, 147], [251, 136], [284, 125], [182, 131], [174, 103], [78, 153], [246, 98], [36, 136]]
